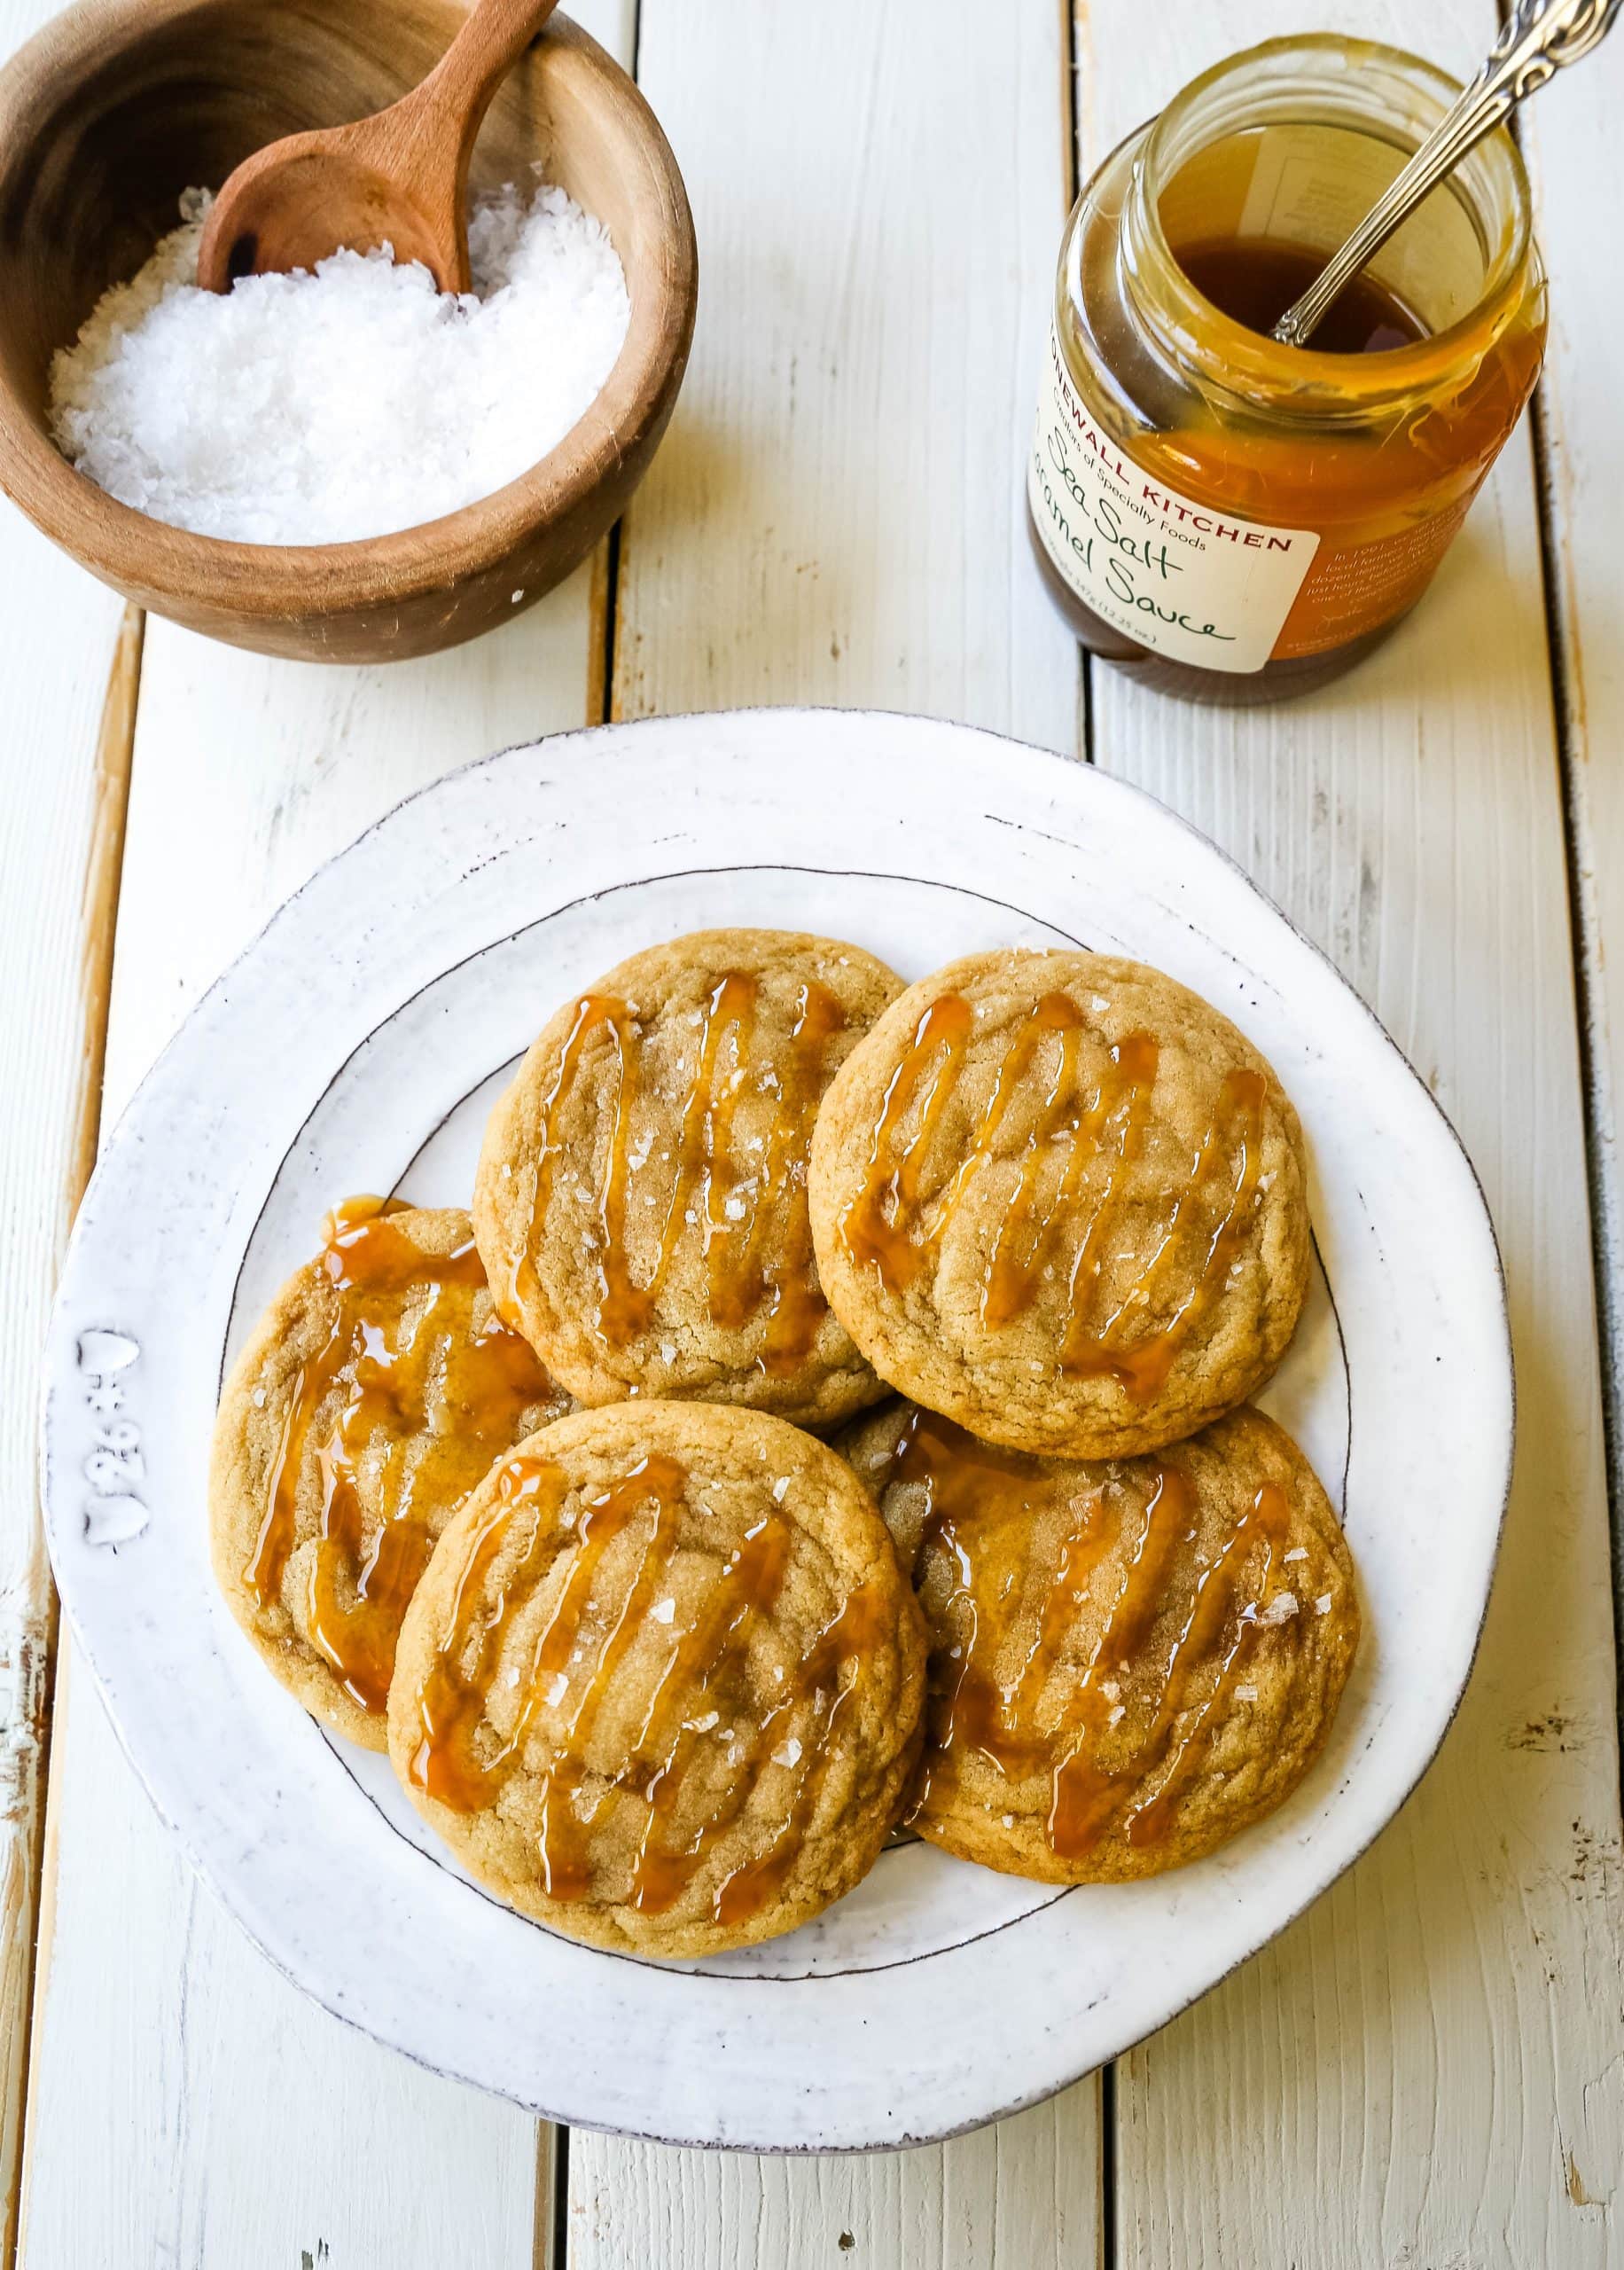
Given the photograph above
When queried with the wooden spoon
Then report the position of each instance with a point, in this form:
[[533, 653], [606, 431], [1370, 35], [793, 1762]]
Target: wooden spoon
[[399, 177]]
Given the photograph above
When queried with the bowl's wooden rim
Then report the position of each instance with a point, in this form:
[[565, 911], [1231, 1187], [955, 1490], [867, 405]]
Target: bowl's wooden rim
[[271, 582]]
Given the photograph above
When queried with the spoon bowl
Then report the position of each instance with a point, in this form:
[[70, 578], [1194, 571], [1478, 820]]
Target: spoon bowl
[[398, 178], [280, 216]]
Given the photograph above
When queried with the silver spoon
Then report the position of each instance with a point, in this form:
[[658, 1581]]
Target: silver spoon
[[1538, 37]]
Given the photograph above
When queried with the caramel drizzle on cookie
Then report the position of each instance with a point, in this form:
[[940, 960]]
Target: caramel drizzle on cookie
[[578, 1647], [401, 1339], [978, 1498], [885, 1227], [735, 1209]]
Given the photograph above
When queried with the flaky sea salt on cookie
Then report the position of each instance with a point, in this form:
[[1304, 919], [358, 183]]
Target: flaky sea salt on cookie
[[641, 1200], [1060, 1198], [375, 1392], [661, 1688], [1131, 1660]]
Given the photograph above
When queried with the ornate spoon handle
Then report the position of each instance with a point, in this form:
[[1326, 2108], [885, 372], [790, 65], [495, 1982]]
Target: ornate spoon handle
[[1539, 36]]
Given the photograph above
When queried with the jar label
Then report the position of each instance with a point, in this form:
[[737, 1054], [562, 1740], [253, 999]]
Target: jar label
[[1187, 580]]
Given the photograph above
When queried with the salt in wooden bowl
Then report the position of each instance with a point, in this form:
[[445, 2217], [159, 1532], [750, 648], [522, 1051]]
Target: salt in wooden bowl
[[117, 105]]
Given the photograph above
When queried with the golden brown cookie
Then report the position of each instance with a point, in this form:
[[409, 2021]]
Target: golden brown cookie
[[661, 1685], [1060, 1198], [1131, 1659], [376, 1390], [640, 1199]]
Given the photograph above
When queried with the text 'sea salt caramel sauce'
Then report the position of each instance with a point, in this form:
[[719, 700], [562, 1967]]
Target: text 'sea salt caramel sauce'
[[1233, 518]]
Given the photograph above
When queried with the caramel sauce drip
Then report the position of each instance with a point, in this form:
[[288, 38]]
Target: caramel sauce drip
[[736, 1208], [1142, 1365], [876, 1224], [1207, 1629], [396, 1367], [884, 1226], [447, 1763], [979, 1518], [977, 1513], [697, 1687], [666, 1744], [849, 1637], [798, 1306]]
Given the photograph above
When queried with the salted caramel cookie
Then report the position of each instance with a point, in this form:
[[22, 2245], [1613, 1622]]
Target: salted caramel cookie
[[376, 1390], [1130, 1659], [661, 1686], [1060, 1199], [641, 1199]]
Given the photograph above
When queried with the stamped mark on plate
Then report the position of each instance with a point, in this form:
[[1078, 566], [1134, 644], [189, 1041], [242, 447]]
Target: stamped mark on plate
[[114, 1514]]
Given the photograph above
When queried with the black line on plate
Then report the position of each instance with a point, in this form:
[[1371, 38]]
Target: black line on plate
[[446, 1116], [1348, 1372]]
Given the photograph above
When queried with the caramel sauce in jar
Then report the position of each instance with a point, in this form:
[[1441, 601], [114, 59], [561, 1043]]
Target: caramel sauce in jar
[[402, 1339], [1232, 519], [1255, 280]]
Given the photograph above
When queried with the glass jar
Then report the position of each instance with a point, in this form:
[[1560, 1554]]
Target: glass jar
[[1231, 519]]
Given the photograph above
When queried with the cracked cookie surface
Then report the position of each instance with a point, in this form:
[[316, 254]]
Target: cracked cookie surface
[[1131, 1660], [661, 1688], [372, 1395], [641, 1197], [1060, 1199]]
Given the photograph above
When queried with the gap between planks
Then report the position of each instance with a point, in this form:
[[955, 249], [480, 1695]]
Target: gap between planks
[[551, 2247], [25, 1895], [1576, 713], [1588, 944]]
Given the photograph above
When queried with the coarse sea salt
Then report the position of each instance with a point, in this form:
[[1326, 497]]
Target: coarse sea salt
[[319, 408]]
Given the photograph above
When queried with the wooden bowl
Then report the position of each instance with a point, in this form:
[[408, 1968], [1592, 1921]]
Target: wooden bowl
[[117, 105]]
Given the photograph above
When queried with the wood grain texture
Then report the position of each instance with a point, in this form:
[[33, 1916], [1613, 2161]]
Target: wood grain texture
[[836, 517], [1429, 2070], [70, 658], [1023, 2194], [189, 2106], [69, 667], [1570, 147]]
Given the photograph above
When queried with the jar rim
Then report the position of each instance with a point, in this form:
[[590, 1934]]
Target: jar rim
[[1491, 181]]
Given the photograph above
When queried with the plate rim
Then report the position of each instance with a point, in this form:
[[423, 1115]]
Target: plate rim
[[604, 736]]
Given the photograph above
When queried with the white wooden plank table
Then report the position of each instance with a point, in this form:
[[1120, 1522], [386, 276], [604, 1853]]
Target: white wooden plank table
[[1428, 2070]]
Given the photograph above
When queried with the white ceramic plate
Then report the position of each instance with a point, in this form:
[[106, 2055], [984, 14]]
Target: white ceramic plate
[[357, 1045]]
